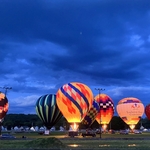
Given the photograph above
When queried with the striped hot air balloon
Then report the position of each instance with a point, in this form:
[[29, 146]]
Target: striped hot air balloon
[[3, 105], [106, 109], [74, 101], [130, 110], [47, 110], [91, 115]]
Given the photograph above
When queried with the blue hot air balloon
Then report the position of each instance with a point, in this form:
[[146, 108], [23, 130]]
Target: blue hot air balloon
[[91, 115], [47, 110]]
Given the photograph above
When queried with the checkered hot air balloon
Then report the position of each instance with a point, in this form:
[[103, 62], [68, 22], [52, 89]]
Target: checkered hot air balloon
[[106, 109], [130, 110], [3, 105], [91, 115], [74, 101], [47, 110]]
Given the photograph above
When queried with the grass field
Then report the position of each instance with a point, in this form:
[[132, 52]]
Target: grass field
[[60, 140]]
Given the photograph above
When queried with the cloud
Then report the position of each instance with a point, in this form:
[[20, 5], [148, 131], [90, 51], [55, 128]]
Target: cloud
[[136, 40], [25, 104], [46, 44]]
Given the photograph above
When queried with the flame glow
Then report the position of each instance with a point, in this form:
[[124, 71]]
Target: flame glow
[[104, 126], [74, 126], [132, 126]]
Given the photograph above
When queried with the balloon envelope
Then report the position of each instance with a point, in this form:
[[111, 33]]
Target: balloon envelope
[[91, 115], [3, 105], [147, 111], [130, 110], [74, 101], [106, 109], [47, 110]]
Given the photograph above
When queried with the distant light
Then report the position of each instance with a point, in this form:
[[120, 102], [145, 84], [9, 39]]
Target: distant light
[[74, 145], [132, 145], [105, 145]]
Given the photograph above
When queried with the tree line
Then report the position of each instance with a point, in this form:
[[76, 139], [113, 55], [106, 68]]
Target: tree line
[[29, 120]]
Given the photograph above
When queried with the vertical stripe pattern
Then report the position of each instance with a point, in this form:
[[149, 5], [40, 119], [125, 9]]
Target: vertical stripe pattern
[[47, 110]]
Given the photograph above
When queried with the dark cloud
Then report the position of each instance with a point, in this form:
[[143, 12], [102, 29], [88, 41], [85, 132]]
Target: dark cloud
[[45, 44]]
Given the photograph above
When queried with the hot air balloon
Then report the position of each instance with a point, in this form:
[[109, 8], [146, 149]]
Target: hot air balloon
[[130, 110], [47, 110], [147, 111], [3, 106], [74, 101], [106, 110], [91, 115]]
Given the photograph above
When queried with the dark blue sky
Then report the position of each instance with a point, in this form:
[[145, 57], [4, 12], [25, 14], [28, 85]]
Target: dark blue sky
[[47, 43]]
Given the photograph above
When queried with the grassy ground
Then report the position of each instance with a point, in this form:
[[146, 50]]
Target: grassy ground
[[60, 140]]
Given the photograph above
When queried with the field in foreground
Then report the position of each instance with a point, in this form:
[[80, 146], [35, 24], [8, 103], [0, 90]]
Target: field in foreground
[[60, 140]]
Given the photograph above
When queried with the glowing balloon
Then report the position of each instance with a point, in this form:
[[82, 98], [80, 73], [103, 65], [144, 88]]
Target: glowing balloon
[[74, 101], [130, 110], [147, 111], [3, 105], [91, 115], [106, 109], [47, 110]]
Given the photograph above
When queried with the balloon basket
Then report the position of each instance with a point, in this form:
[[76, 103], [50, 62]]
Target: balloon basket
[[73, 133]]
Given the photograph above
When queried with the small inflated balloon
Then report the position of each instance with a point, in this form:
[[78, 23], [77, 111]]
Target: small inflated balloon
[[130, 110], [91, 115], [47, 110], [74, 101], [147, 111], [106, 109], [3, 105]]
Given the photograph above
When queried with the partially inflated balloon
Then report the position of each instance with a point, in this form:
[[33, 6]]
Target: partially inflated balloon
[[130, 110], [74, 101], [47, 110], [147, 111], [3, 105], [106, 109], [91, 115]]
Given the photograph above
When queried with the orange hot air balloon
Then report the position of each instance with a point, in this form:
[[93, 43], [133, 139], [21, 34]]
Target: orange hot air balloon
[[106, 109], [130, 110], [147, 111], [74, 101]]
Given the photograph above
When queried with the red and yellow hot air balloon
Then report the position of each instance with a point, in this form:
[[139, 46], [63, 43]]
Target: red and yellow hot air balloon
[[74, 101], [106, 110], [147, 111], [130, 110], [3, 106]]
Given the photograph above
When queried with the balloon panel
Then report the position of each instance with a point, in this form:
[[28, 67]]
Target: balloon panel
[[129, 100], [91, 115], [74, 101], [3, 105], [130, 110], [106, 109], [47, 110], [147, 111]]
